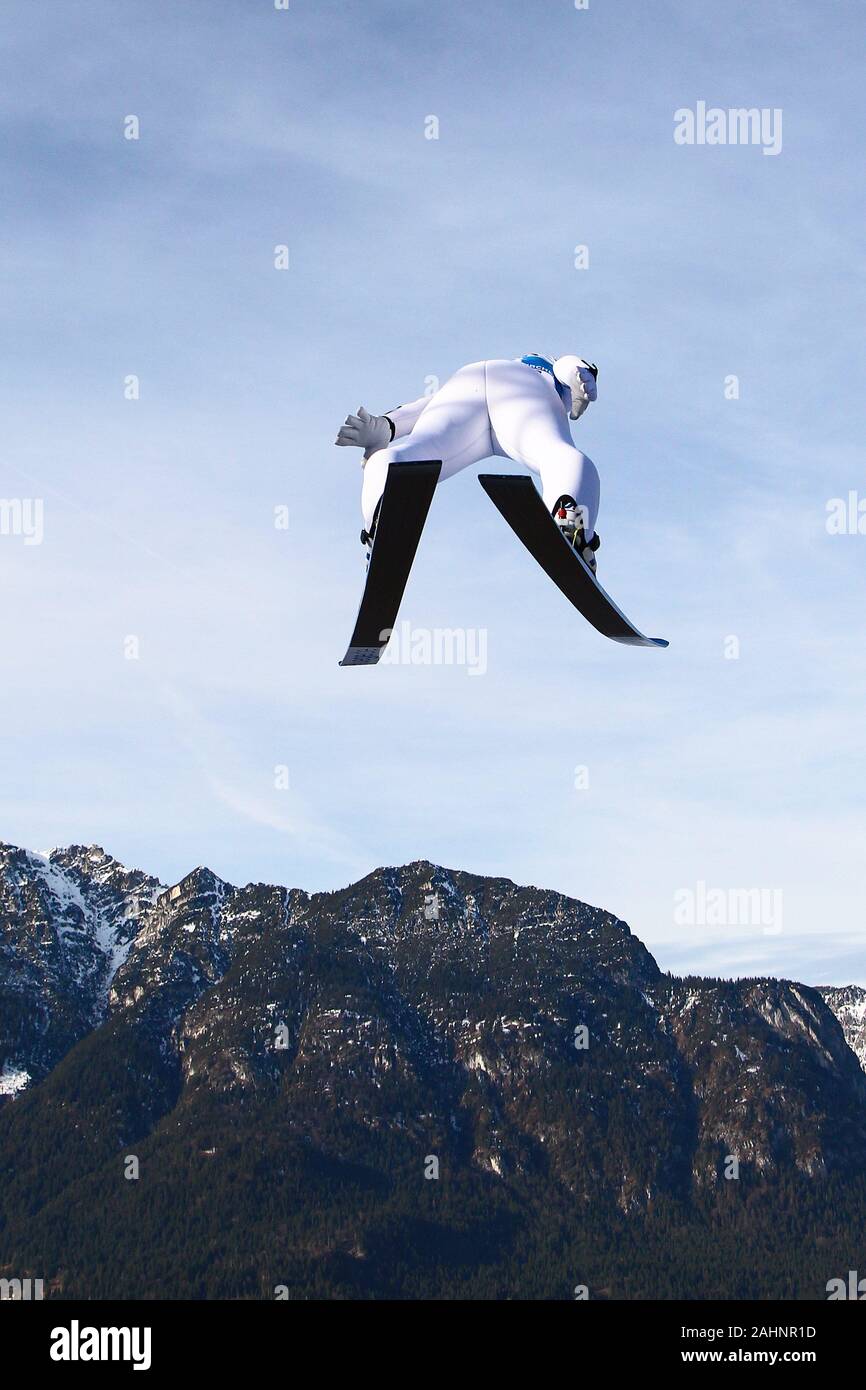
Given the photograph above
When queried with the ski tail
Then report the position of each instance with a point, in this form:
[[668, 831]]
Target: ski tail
[[409, 490], [519, 501]]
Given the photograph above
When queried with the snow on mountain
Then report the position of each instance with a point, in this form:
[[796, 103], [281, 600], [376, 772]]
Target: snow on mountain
[[848, 1003], [67, 921], [12, 1080]]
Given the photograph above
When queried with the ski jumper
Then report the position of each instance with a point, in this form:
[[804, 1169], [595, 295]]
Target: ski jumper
[[501, 408]]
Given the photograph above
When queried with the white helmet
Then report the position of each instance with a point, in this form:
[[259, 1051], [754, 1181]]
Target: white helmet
[[580, 376]]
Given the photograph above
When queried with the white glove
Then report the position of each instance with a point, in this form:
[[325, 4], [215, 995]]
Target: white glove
[[368, 432], [579, 377]]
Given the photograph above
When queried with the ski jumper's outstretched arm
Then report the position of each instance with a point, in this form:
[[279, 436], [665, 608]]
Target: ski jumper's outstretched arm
[[404, 418], [374, 432]]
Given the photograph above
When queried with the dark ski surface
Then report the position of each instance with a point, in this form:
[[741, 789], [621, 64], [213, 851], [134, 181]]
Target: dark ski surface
[[405, 503], [520, 502]]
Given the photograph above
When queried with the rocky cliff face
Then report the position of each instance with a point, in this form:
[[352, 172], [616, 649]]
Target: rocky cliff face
[[426, 1084], [514, 1025], [848, 1003], [67, 921]]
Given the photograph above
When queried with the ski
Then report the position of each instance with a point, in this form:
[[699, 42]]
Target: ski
[[520, 502], [405, 503]]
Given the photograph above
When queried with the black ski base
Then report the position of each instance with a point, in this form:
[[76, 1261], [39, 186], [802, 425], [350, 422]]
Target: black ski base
[[520, 502], [405, 503]]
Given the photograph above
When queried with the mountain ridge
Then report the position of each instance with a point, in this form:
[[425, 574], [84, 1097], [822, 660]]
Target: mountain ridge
[[338, 1041]]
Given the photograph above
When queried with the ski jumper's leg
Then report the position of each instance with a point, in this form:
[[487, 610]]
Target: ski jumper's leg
[[530, 425], [454, 427]]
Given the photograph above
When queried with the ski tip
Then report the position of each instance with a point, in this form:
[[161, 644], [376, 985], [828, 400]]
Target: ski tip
[[636, 639], [361, 656]]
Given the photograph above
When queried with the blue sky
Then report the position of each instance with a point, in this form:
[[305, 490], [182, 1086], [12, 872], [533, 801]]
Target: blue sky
[[408, 258]]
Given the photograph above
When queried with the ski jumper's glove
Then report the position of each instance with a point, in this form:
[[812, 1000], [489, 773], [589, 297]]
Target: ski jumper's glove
[[368, 432], [580, 377]]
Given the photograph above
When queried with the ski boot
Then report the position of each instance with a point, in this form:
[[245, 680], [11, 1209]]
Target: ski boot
[[367, 537], [571, 520]]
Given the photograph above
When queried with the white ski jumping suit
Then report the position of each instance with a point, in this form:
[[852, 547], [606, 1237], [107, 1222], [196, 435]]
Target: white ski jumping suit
[[502, 408]]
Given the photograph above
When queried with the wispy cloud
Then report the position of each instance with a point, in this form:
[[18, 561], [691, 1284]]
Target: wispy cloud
[[241, 786]]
